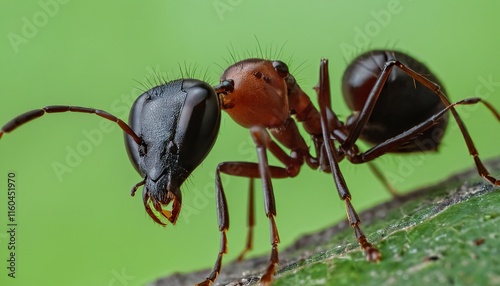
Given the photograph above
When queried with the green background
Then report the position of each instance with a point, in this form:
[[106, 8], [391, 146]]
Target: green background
[[83, 228]]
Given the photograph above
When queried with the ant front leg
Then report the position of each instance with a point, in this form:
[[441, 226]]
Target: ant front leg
[[372, 254], [262, 139], [250, 170]]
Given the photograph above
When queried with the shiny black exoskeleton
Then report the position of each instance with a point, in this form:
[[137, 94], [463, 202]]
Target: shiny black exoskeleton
[[402, 104], [178, 123], [397, 103]]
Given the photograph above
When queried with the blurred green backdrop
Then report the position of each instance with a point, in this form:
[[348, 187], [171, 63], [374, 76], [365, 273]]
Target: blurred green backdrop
[[81, 227]]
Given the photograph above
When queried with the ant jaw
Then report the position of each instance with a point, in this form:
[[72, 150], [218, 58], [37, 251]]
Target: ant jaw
[[166, 213], [225, 102], [176, 207], [222, 89], [170, 215]]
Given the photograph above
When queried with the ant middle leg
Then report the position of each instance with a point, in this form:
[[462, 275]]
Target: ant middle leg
[[250, 170], [371, 253]]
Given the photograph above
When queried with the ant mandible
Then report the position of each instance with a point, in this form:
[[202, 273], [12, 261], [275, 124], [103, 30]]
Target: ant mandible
[[173, 126]]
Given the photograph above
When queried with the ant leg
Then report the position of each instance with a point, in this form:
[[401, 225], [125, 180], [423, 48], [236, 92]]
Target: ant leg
[[262, 140], [251, 220], [265, 172], [396, 141], [241, 169], [365, 113], [468, 140], [389, 187], [33, 114], [223, 219], [371, 253]]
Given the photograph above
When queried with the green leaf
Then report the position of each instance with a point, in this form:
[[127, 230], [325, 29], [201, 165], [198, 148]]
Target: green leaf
[[448, 234]]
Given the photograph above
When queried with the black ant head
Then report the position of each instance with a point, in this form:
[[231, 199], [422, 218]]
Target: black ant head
[[178, 122]]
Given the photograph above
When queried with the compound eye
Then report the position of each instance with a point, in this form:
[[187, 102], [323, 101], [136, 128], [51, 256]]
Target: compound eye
[[198, 123], [281, 68]]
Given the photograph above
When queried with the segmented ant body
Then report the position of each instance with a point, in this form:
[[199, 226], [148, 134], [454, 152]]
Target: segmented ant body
[[397, 107]]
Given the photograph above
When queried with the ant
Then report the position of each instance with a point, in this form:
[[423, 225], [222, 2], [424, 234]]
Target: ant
[[172, 128], [395, 110]]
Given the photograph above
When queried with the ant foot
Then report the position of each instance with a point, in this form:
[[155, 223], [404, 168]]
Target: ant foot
[[492, 180], [267, 278], [372, 254], [207, 282]]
